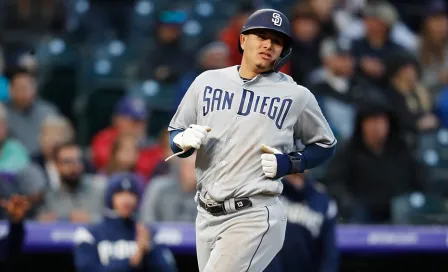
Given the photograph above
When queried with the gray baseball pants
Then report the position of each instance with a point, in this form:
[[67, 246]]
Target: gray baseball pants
[[244, 241]]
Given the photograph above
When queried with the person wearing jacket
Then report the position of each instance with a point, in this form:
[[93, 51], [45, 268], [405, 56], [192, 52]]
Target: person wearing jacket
[[12, 243], [310, 243], [375, 166], [119, 243]]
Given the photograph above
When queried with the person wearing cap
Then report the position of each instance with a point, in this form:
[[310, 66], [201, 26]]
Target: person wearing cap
[[130, 117], [433, 47], [310, 242], [332, 84], [372, 50], [119, 242]]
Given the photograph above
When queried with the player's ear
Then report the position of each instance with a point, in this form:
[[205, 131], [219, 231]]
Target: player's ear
[[242, 40]]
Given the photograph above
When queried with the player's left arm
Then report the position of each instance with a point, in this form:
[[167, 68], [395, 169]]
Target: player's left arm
[[315, 133], [329, 261]]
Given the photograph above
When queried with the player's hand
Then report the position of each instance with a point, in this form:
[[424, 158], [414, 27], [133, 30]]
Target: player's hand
[[269, 161], [192, 137]]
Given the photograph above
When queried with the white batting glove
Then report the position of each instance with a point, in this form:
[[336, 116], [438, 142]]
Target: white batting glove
[[191, 137], [269, 161]]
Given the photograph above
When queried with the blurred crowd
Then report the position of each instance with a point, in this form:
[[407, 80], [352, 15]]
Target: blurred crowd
[[88, 88]]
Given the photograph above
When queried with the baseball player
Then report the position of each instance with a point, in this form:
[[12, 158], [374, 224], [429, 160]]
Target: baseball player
[[243, 121]]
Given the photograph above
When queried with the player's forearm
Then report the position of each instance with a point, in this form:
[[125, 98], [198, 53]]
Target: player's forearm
[[177, 149], [297, 162], [314, 155]]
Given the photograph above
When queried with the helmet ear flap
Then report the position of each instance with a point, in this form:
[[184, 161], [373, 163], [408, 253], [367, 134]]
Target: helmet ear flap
[[280, 61]]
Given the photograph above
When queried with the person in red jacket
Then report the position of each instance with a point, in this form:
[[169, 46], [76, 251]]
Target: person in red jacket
[[130, 118]]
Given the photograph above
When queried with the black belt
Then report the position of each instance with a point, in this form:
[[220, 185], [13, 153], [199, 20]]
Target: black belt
[[219, 208]]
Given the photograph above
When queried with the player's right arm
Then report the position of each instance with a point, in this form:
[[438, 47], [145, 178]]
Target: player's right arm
[[185, 134]]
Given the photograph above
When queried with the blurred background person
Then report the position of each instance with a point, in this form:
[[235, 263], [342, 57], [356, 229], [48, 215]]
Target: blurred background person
[[124, 154], [13, 156], [372, 50], [433, 47], [54, 131], [374, 166], [230, 34], [11, 244], [170, 198], [119, 242], [310, 241], [411, 101], [214, 55], [78, 197], [130, 117], [167, 61], [26, 111], [332, 85], [306, 32]]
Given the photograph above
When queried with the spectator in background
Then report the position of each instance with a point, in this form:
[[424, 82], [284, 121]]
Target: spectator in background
[[374, 167], [324, 11], [130, 118], [78, 198], [214, 55], [230, 35], [11, 244], [332, 85], [310, 239], [170, 198], [433, 48], [26, 111], [305, 46], [349, 25], [372, 50], [412, 102], [168, 61], [54, 131], [13, 156], [118, 242], [124, 155]]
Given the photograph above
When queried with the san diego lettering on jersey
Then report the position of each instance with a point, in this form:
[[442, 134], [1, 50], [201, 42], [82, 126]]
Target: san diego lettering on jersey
[[275, 108]]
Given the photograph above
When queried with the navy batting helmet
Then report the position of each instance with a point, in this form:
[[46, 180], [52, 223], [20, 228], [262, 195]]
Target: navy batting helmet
[[273, 20]]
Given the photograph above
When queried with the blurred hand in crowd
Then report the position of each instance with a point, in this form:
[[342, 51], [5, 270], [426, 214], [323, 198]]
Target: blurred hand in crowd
[[16, 207], [427, 122], [143, 240], [372, 67]]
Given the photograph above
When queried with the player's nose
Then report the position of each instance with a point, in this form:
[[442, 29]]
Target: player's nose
[[267, 43]]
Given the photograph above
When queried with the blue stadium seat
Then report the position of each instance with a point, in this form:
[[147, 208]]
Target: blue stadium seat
[[418, 208], [433, 152]]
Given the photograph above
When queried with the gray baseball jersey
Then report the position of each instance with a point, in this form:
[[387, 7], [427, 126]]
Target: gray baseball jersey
[[270, 109]]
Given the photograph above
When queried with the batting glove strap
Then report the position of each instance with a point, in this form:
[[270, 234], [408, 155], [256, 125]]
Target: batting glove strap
[[297, 162]]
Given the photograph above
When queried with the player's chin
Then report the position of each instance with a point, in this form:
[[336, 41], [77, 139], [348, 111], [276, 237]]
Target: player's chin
[[264, 66]]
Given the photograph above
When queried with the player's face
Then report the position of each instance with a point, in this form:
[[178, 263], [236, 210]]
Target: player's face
[[124, 203], [261, 49]]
